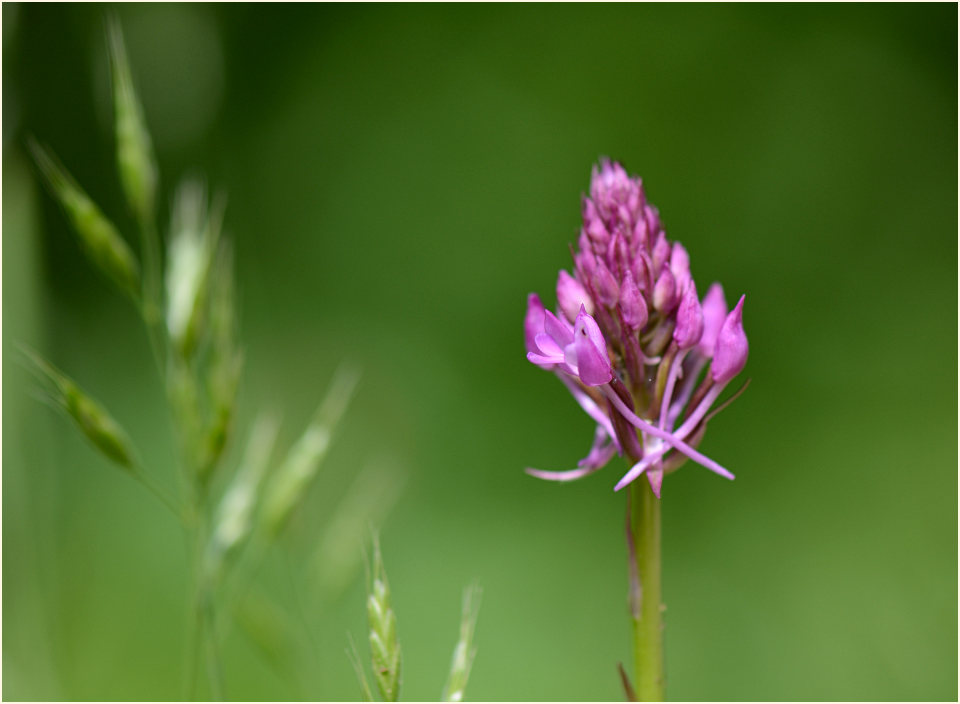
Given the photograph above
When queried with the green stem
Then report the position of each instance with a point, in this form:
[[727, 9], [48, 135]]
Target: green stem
[[214, 671], [646, 608]]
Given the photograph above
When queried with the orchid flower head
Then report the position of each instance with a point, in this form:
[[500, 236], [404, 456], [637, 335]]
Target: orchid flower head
[[643, 356]]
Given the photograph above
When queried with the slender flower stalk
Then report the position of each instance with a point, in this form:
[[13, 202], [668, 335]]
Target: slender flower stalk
[[646, 359], [646, 605]]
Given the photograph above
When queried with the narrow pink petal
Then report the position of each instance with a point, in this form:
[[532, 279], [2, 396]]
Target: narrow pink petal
[[568, 475], [634, 472], [588, 405], [678, 444]]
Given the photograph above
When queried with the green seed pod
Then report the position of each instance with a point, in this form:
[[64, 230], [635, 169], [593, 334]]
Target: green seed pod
[[135, 159], [384, 644], [98, 237]]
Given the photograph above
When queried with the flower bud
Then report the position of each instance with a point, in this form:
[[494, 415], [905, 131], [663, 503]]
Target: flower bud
[[689, 327], [640, 234], [593, 224], [586, 264], [632, 305], [665, 292], [654, 226], [714, 312], [731, 351], [606, 285], [571, 295], [680, 266], [640, 268], [609, 187], [661, 252]]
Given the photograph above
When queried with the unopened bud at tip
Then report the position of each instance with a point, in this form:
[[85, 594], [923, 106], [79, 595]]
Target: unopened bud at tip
[[714, 313], [730, 354], [689, 327], [571, 295], [633, 307], [665, 292]]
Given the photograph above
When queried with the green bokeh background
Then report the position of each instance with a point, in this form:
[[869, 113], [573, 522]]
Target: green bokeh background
[[399, 178]]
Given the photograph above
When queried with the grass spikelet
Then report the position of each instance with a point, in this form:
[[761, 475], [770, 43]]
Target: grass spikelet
[[135, 159], [464, 652], [384, 645], [194, 233], [96, 424], [99, 238], [293, 477], [233, 523]]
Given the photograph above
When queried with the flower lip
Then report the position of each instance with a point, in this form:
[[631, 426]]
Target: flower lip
[[732, 348]]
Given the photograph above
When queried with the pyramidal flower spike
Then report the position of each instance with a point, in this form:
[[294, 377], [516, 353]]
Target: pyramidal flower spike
[[646, 360], [631, 338]]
